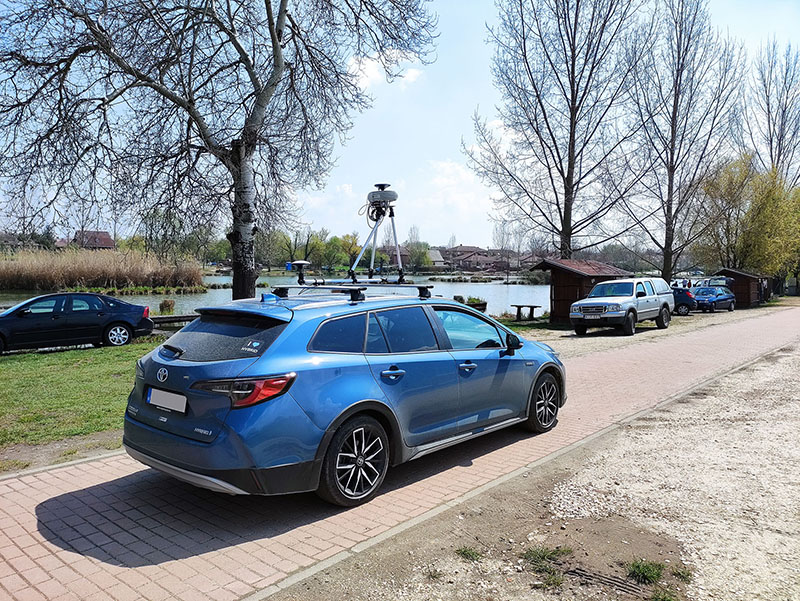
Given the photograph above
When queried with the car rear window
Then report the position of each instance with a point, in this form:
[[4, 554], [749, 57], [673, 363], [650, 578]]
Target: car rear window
[[343, 335], [223, 337]]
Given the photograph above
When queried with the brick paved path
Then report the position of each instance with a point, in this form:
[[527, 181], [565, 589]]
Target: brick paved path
[[111, 529]]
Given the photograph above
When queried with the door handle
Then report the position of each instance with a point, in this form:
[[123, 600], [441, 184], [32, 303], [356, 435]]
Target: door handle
[[101, 314], [55, 317], [468, 366], [393, 373]]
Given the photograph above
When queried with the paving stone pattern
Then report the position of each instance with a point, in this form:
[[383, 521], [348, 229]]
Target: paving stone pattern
[[113, 529]]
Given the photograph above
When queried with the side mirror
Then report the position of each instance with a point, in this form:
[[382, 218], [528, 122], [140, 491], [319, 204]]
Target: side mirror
[[641, 294], [513, 342]]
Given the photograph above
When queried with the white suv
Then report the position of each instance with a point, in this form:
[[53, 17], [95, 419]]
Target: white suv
[[622, 304]]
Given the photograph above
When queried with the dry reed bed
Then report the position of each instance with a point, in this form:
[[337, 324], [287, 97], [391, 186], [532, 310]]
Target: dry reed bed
[[46, 270]]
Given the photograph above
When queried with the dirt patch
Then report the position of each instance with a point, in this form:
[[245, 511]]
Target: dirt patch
[[18, 457], [706, 489]]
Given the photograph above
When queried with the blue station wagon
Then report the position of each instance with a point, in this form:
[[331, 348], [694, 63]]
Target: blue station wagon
[[323, 392]]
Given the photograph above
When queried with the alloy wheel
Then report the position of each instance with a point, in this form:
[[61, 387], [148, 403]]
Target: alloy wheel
[[360, 462], [547, 403], [118, 335]]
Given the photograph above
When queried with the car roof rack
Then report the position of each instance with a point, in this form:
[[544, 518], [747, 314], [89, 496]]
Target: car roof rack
[[424, 290], [356, 292]]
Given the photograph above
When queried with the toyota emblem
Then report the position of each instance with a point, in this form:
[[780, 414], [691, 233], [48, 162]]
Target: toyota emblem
[[162, 374]]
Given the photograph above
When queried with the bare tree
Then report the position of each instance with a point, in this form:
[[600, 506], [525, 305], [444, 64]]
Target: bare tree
[[771, 120], [561, 68], [207, 105], [684, 93]]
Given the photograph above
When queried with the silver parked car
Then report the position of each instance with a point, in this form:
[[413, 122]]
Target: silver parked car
[[623, 304]]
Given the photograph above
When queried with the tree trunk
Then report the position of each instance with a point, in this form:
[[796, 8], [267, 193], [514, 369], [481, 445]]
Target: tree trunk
[[243, 235]]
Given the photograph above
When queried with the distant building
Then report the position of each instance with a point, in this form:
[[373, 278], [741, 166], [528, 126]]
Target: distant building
[[93, 240], [391, 252], [437, 260]]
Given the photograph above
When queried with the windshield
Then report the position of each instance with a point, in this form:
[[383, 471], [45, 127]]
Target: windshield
[[14, 308], [612, 289], [705, 292]]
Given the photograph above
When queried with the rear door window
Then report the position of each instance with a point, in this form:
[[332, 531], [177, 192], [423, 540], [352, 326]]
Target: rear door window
[[650, 291], [343, 335], [407, 330], [223, 337], [83, 304]]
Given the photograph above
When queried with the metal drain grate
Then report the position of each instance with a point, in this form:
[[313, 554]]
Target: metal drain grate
[[620, 584]]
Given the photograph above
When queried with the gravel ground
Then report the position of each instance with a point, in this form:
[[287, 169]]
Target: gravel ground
[[719, 472], [709, 483]]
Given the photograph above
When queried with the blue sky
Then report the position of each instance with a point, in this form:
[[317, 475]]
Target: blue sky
[[411, 137]]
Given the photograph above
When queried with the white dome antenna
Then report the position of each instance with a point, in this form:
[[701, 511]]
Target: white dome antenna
[[380, 202]]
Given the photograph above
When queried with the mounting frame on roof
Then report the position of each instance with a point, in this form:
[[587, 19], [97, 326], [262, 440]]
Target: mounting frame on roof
[[342, 285]]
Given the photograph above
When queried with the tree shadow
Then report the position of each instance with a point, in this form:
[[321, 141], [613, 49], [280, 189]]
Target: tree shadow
[[148, 518]]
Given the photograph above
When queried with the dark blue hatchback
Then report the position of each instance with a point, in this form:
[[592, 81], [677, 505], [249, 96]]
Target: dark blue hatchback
[[711, 298], [318, 392]]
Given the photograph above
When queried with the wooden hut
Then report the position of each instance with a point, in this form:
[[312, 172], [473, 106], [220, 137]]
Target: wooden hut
[[750, 289], [572, 280]]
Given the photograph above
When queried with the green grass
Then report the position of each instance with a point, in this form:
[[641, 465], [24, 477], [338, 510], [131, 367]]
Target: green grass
[[683, 574], [544, 561], [664, 594], [13, 465], [645, 572], [55, 395], [469, 553]]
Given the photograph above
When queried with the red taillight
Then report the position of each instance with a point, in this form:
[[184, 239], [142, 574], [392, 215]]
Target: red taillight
[[689, 294], [146, 312], [249, 391], [260, 390]]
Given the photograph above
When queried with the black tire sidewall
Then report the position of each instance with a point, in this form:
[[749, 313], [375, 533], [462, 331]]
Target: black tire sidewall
[[532, 423], [580, 330], [328, 486], [629, 327], [683, 310]]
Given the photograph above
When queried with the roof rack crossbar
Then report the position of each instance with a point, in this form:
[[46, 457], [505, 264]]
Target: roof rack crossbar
[[424, 290], [356, 292]]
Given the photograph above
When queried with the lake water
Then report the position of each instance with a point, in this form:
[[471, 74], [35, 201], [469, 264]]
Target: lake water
[[499, 297]]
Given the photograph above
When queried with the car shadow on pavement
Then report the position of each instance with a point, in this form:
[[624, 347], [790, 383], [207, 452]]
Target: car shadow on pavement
[[148, 518]]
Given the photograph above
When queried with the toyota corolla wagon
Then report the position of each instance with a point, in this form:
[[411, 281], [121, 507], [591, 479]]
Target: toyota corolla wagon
[[323, 392]]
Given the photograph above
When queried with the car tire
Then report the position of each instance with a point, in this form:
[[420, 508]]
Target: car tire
[[683, 309], [117, 334], [662, 321], [543, 404], [347, 459], [713, 307], [629, 327], [732, 306], [580, 330]]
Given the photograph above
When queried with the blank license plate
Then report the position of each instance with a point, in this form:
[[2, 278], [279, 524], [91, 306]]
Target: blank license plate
[[592, 316], [166, 400]]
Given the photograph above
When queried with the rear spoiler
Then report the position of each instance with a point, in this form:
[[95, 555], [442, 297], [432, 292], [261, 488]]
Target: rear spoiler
[[277, 313]]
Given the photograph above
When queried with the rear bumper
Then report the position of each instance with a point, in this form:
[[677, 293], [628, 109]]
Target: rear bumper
[[144, 327], [298, 477]]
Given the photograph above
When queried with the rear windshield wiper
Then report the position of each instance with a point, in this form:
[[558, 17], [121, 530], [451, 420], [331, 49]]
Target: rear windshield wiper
[[176, 350]]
